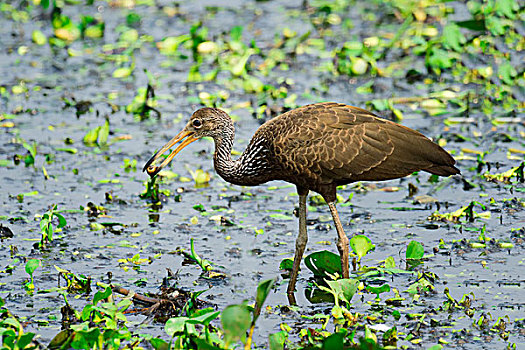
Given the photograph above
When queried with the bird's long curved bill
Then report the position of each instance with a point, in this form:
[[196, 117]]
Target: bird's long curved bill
[[185, 136]]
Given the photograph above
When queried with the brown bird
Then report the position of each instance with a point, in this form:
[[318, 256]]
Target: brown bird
[[317, 148]]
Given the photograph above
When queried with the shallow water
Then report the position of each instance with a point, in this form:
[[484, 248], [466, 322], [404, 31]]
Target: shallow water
[[494, 275]]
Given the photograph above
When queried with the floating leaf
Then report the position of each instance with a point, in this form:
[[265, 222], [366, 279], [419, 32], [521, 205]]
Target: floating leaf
[[415, 250], [361, 245], [323, 262], [38, 37], [122, 72]]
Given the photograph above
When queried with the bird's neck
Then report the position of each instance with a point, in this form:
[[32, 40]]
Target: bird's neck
[[248, 170]]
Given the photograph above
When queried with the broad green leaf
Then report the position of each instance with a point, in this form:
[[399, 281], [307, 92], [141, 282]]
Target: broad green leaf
[[59, 339], [323, 262], [263, 289], [361, 245], [343, 289], [334, 342], [507, 73], [415, 250], [24, 340], [276, 340], [61, 220], [101, 295], [31, 266], [235, 319], [159, 344], [175, 325], [453, 38], [205, 318], [378, 290], [496, 25], [390, 263], [286, 264], [439, 58], [507, 8], [473, 24]]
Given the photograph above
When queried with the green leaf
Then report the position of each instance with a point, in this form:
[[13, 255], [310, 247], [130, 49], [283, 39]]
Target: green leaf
[[286, 264], [71, 150], [507, 73], [101, 295], [263, 289], [390, 263], [281, 216], [60, 339], [31, 266], [496, 25], [205, 318], [378, 290], [38, 37], [103, 133], [361, 245], [474, 24], [159, 344], [235, 320], [344, 289], [439, 58], [61, 220], [507, 8], [91, 136], [276, 340], [323, 262], [31, 148], [24, 340], [452, 37], [334, 342], [236, 33], [436, 347], [122, 72], [175, 325], [415, 250]]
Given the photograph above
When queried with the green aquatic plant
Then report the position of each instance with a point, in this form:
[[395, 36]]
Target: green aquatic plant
[[31, 266], [47, 226]]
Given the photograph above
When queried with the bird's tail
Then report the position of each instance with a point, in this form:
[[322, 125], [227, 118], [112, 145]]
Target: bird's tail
[[443, 170]]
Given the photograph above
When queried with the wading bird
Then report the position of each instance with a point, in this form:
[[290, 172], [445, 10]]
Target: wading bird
[[317, 148]]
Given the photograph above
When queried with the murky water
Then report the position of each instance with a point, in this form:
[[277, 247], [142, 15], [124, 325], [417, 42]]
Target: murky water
[[494, 275]]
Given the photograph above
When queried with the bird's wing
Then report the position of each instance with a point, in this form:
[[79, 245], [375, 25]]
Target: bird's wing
[[337, 143]]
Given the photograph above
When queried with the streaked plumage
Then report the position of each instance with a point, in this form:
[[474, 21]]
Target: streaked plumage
[[316, 147]]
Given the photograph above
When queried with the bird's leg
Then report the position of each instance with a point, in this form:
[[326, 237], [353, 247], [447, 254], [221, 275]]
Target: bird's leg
[[342, 240], [300, 245]]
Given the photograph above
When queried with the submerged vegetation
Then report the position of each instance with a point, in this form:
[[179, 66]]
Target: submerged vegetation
[[91, 88]]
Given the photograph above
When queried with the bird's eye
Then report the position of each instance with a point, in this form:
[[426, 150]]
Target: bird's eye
[[196, 123]]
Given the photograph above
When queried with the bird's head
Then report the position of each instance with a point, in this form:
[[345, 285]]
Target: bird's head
[[210, 122]]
